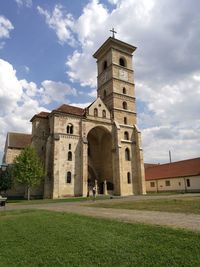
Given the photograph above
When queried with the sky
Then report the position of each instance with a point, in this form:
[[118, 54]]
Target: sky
[[46, 50]]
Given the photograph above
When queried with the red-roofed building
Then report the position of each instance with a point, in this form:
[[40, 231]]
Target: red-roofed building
[[176, 176], [97, 146]]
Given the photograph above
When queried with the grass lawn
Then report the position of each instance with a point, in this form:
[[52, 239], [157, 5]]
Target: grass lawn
[[44, 201], [185, 205], [43, 238]]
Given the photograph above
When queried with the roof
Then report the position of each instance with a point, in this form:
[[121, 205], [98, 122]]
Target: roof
[[18, 140], [113, 42], [43, 115], [189, 167], [71, 110]]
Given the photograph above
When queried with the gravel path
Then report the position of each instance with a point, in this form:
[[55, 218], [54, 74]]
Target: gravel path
[[176, 220]]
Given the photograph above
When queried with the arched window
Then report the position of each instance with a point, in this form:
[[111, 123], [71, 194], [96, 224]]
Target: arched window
[[124, 90], [125, 120], [124, 104], [69, 178], [69, 155], [126, 136], [128, 178], [96, 112], [104, 94], [127, 154], [104, 113], [70, 128], [122, 62], [105, 65]]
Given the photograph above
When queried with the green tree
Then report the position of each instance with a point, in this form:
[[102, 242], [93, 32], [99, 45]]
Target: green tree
[[27, 169], [6, 180]]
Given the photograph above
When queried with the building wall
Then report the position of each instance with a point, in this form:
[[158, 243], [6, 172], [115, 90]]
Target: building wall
[[11, 154], [174, 184]]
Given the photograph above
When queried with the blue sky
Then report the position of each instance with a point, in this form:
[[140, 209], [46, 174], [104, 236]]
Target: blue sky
[[46, 60]]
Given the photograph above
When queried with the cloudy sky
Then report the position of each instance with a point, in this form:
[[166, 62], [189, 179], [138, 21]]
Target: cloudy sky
[[46, 60]]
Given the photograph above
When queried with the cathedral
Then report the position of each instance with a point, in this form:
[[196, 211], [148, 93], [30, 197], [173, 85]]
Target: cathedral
[[99, 145]]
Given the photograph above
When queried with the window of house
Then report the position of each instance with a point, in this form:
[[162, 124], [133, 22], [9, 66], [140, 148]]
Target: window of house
[[188, 182], [124, 105], [69, 178], [104, 94], [152, 184], [126, 136], [105, 65], [95, 112], [167, 183], [122, 62], [124, 90], [70, 146], [127, 154], [104, 113], [125, 120], [128, 178], [69, 156], [70, 128]]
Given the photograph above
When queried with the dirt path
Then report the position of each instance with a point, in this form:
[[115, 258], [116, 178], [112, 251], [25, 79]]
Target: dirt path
[[176, 220]]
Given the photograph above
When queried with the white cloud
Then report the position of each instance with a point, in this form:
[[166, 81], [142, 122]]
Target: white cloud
[[17, 102], [61, 22], [56, 91], [27, 3], [5, 27], [93, 93]]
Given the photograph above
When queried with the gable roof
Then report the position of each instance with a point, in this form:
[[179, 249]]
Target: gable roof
[[18, 140], [71, 110], [189, 167]]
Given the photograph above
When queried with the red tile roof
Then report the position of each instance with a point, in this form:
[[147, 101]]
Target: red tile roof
[[70, 110], [43, 115], [189, 167], [18, 140]]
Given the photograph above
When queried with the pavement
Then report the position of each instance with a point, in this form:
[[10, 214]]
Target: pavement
[[175, 220]]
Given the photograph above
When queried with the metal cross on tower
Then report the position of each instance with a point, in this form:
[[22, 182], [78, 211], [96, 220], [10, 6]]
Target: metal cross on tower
[[113, 32]]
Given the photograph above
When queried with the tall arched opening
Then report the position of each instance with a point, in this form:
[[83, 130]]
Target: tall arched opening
[[100, 159]]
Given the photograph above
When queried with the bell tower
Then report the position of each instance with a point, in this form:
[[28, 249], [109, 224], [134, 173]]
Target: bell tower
[[115, 82], [116, 88]]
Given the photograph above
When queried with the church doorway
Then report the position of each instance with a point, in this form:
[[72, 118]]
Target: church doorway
[[100, 167]]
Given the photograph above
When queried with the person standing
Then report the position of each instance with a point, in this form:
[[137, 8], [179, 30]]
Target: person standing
[[94, 192]]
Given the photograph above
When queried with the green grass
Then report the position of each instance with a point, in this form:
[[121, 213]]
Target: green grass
[[183, 205], [44, 201], [43, 238]]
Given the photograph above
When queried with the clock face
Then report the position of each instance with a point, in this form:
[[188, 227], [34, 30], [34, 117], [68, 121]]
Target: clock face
[[123, 75]]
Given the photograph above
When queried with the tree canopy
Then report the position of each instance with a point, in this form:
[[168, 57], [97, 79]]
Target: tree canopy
[[6, 180], [28, 169]]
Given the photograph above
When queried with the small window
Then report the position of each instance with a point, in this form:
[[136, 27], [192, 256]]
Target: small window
[[104, 94], [188, 182], [179, 183], [70, 146], [152, 184], [125, 120], [105, 65], [69, 178], [126, 136], [122, 62], [95, 112], [124, 90], [167, 183], [69, 156], [124, 105], [104, 113], [127, 154], [128, 178], [70, 128]]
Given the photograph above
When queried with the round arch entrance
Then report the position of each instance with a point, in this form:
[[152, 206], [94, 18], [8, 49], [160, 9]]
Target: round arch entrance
[[100, 167]]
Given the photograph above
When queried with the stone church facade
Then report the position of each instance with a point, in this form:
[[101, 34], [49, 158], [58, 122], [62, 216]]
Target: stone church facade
[[99, 145]]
